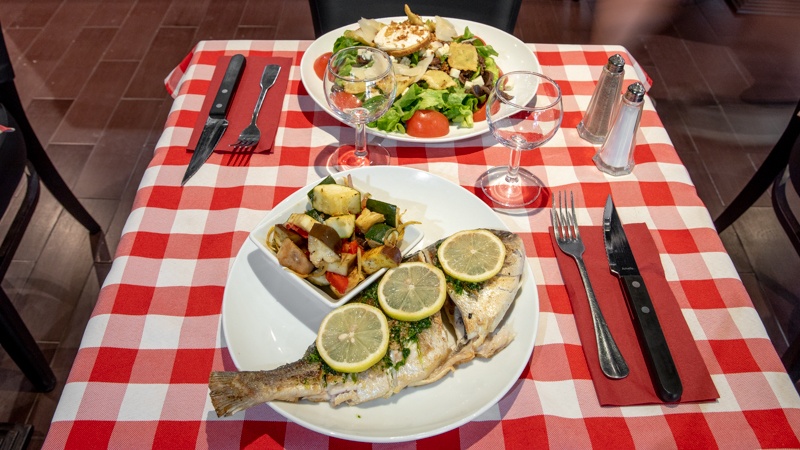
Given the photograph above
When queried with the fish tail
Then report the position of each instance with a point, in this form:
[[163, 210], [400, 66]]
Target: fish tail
[[230, 393]]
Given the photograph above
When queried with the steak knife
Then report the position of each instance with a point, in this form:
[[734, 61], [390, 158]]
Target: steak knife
[[659, 360], [216, 124]]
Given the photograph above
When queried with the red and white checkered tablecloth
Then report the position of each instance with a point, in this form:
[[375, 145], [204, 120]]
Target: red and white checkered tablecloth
[[140, 377]]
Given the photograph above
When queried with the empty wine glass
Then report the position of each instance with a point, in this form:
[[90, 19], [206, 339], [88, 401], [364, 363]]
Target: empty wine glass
[[360, 87], [523, 111]]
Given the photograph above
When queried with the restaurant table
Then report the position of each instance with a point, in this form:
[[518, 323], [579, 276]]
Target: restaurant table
[[140, 378]]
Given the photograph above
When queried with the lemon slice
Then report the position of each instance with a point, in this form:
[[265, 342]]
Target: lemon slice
[[353, 337], [472, 255], [412, 291]]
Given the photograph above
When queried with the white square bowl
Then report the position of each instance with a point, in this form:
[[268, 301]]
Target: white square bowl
[[300, 204]]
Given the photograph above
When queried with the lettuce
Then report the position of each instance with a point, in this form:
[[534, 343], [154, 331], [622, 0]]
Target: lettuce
[[344, 42], [456, 106]]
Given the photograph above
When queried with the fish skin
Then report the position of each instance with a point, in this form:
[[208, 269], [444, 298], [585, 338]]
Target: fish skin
[[482, 310], [438, 351], [232, 392]]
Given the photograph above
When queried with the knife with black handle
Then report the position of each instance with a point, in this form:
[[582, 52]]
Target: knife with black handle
[[666, 380], [216, 123]]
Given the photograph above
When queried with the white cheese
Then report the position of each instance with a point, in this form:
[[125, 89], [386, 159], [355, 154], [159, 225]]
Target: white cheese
[[398, 36]]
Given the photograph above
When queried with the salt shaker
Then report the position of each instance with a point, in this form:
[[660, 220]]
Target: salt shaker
[[605, 99], [615, 156]]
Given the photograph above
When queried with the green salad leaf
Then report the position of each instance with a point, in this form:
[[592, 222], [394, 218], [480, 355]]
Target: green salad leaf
[[344, 42], [456, 106]]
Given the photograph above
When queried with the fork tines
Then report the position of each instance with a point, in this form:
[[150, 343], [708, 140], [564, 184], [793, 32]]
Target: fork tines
[[565, 224]]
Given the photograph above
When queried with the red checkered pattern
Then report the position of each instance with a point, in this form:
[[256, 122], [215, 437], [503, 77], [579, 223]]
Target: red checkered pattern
[[140, 377]]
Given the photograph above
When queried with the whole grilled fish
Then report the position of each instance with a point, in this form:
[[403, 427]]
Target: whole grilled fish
[[431, 354]]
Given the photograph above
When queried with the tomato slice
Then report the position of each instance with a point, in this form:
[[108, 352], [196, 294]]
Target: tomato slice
[[338, 282], [427, 123], [344, 100], [321, 63], [480, 114]]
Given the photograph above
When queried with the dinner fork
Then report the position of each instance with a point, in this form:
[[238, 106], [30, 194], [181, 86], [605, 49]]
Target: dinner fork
[[250, 136], [568, 236]]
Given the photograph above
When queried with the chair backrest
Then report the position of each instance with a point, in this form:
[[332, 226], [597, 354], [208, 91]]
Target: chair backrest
[[331, 14], [794, 157], [12, 160], [6, 71]]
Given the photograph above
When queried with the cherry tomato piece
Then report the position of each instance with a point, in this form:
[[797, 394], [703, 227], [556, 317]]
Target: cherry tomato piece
[[321, 63], [427, 123], [344, 100], [480, 114], [338, 282]]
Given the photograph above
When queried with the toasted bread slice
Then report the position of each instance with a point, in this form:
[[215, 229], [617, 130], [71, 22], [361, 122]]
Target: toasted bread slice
[[401, 39]]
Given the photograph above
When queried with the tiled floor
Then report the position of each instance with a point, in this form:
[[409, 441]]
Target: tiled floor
[[91, 71]]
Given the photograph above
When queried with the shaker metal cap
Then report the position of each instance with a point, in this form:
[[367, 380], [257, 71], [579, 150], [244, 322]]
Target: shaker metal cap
[[635, 92], [615, 63]]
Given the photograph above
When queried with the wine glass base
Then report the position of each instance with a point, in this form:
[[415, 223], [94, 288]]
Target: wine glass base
[[345, 158], [495, 185]]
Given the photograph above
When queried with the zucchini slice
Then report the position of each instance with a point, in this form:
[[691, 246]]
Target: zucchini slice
[[388, 210]]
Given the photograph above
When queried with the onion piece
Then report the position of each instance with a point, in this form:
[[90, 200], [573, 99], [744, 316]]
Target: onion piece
[[415, 72]]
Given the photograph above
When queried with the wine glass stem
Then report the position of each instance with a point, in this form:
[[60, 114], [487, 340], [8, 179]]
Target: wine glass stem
[[513, 165], [361, 140]]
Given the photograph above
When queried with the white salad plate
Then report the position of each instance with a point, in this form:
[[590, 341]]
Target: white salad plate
[[267, 323], [298, 202], [513, 55]]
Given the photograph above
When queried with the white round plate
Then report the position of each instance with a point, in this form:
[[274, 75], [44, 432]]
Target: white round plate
[[266, 324], [513, 55]]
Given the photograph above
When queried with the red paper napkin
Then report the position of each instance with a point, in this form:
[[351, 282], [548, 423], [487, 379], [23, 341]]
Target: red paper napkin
[[637, 387], [244, 101]]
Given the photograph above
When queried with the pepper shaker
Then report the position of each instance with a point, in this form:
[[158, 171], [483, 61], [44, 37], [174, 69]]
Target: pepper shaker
[[615, 156], [605, 99]]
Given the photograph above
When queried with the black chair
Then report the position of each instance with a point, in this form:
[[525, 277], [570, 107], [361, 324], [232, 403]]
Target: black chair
[[9, 97], [20, 149], [328, 15], [14, 335], [781, 170]]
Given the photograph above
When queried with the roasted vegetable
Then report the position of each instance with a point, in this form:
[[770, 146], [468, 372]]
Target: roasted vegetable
[[381, 234], [367, 219], [318, 277], [322, 244], [291, 256], [344, 265], [336, 200], [303, 221], [316, 215], [344, 225], [388, 210], [282, 232], [383, 257]]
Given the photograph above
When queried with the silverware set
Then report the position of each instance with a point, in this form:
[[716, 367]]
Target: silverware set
[[622, 264], [217, 122]]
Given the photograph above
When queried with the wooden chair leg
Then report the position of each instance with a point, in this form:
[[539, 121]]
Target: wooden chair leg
[[41, 162], [21, 347]]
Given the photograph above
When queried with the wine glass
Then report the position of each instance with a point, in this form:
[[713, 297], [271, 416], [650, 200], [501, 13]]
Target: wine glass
[[360, 87], [523, 111]]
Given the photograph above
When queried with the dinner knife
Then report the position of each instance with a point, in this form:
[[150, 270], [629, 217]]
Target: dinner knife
[[663, 372], [216, 124]]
